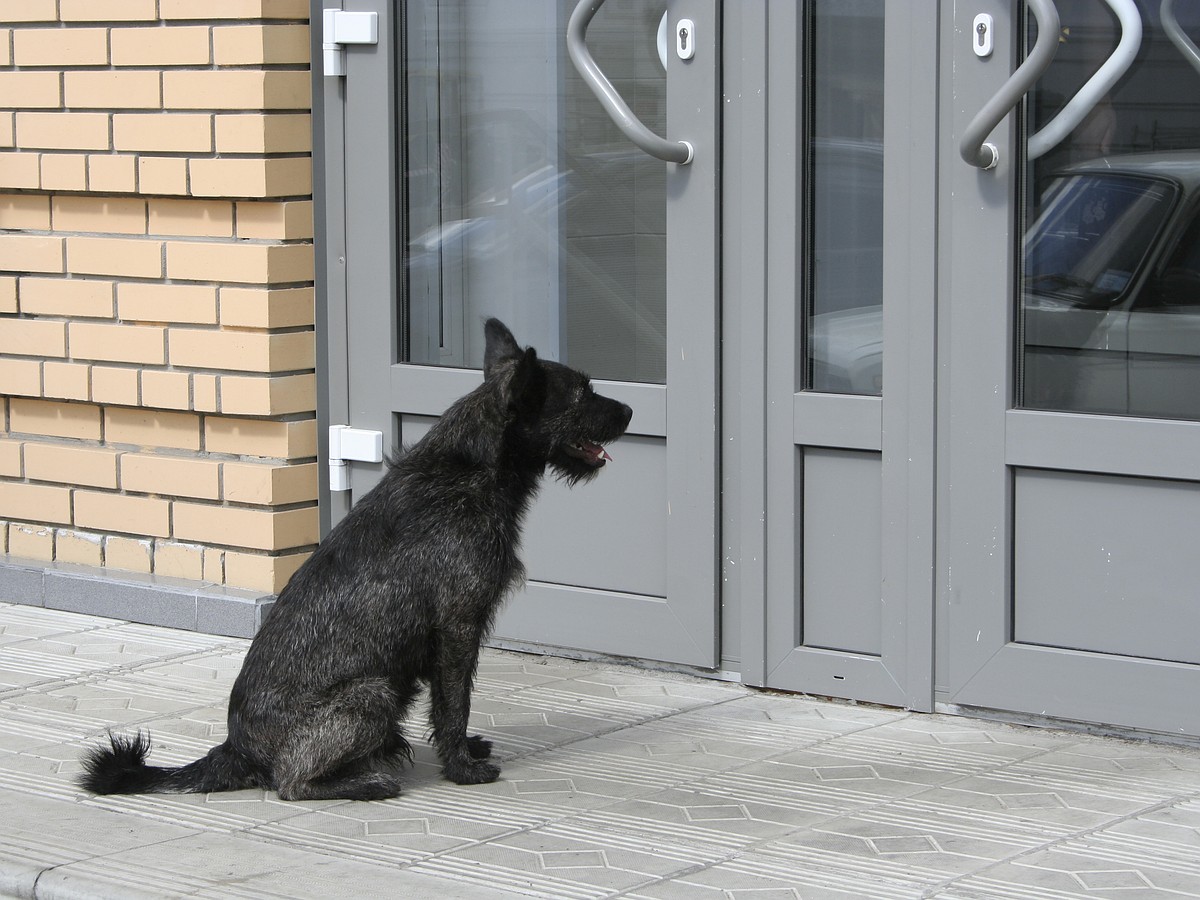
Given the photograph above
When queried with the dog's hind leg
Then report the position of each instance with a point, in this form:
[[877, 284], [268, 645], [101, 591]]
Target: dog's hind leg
[[332, 753], [464, 760]]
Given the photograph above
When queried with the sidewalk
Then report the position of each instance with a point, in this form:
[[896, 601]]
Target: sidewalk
[[616, 783]]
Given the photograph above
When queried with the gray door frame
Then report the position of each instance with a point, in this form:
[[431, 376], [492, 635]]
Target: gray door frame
[[361, 286], [979, 664], [763, 523]]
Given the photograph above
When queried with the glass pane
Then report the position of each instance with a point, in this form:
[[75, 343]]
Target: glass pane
[[844, 192], [1110, 271], [520, 198]]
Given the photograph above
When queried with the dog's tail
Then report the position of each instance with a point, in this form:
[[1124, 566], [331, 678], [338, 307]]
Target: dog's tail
[[121, 769]]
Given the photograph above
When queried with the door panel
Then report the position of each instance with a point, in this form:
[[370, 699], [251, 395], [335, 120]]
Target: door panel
[[505, 190], [1067, 582], [849, 409]]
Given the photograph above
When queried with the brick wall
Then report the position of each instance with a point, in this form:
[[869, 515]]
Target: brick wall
[[156, 298]]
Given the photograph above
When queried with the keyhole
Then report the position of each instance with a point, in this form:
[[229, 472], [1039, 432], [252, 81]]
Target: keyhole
[[683, 38], [981, 30]]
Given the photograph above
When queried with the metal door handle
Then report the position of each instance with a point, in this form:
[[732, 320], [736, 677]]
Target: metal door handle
[[972, 147], [1182, 42], [680, 152], [1098, 85]]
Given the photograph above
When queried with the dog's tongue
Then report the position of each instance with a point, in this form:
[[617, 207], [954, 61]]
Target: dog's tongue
[[595, 450]]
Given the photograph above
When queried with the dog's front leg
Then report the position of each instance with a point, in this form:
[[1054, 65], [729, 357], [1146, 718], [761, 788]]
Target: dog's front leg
[[450, 707]]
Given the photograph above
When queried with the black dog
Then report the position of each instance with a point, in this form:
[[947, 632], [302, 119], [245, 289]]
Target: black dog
[[402, 591]]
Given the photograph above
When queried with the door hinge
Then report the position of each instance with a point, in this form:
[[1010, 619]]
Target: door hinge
[[347, 444], [340, 28]]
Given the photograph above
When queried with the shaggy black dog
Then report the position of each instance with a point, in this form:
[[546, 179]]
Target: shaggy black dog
[[402, 591]]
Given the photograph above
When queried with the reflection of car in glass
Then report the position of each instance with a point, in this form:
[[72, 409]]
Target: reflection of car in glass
[[1111, 286], [1111, 295]]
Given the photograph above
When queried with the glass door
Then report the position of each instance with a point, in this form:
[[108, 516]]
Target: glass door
[[483, 178], [1072, 450]]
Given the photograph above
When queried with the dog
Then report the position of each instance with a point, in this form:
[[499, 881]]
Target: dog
[[402, 592]]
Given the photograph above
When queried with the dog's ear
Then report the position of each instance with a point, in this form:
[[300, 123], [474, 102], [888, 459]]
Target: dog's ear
[[525, 393], [500, 345]]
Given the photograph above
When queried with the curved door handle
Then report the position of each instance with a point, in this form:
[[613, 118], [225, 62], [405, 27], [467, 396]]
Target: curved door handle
[[1098, 85], [680, 152], [1182, 42], [972, 147]]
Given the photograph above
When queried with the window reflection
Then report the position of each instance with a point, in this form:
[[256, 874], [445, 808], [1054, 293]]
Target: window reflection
[[1110, 286], [844, 233], [521, 199]]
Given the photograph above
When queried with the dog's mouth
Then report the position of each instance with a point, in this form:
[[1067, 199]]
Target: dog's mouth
[[589, 453]]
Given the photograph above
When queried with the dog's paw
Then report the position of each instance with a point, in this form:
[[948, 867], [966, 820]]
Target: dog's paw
[[472, 771], [479, 747]]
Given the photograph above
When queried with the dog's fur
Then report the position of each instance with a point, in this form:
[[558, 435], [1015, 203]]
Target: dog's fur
[[402, 591]]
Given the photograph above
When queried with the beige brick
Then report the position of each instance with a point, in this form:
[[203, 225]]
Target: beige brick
[[235, 526], [250, 396], [31, 542], [30, 11], [269, 485], [26, 212], [247, 45], [8, 294], [166, 390], [162, 175], [122, 513], [242, 262], [233, 9], [65, 381], [54, 419], [287, 220], [264, 133], [5, 60], [172, 46], [261, 308], [20, 377], [128, 257], [31, 90], [170, 475], [7, 132], [258, 572], [112, 385], [192, 218], [243, 351], [60, 46], [152, 428], [128, 554], [175, 560], [117, 343], [73, 297], [251, 177], [62, 130], [163, 132], [20, 170], [64, 172], [90, 466], [255, 437], [110, 215], [229, 89], [31, 253], [10, 459], [36, 503], [107, 10], [33, 337], [204, 392], [78, 547], [214, 565], [186, 303], [117, 174], [112, 90]]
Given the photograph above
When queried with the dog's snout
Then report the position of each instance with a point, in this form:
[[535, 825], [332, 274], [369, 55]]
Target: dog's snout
[[626, 415]]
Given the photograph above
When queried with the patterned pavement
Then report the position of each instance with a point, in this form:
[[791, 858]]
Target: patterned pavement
[[617, 782]]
